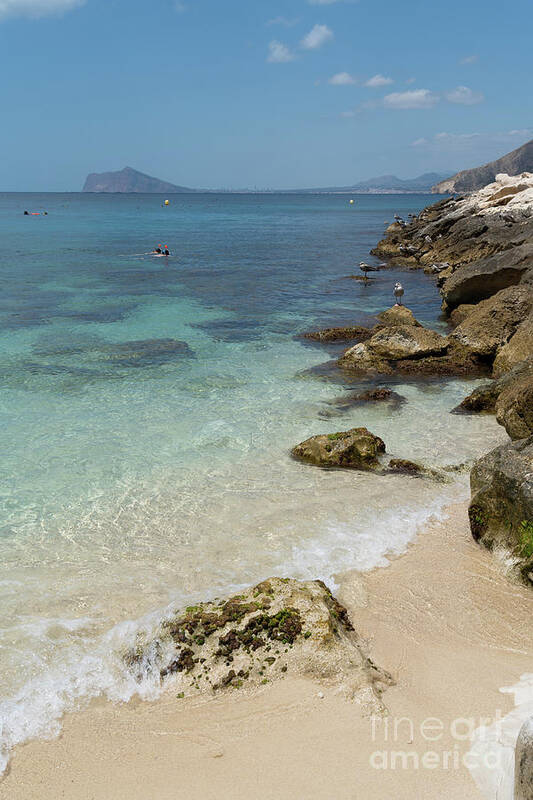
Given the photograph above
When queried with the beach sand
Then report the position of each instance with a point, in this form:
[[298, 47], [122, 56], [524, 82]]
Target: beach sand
[[442, 619]]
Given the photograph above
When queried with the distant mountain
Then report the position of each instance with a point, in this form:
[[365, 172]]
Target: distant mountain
[[387, 184], [129, 180], [519, 160]]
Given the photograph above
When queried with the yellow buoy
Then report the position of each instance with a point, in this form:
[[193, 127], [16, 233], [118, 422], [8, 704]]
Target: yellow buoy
[[167, 202], [351, 202]]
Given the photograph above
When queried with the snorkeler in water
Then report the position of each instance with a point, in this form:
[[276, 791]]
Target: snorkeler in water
[[166, 251], [157, 250]]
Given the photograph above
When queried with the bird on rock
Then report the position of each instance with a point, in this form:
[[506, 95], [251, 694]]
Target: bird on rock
[[398, 293]]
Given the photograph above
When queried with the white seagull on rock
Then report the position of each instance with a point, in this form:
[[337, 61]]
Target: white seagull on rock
[[398, 293]]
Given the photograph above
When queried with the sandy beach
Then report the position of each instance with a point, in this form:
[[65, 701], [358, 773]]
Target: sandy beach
[[442, 618]]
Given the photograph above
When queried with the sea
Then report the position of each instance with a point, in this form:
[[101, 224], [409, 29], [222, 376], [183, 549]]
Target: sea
[[147, 411]]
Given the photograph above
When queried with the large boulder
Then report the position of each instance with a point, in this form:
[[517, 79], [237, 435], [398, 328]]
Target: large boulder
[[281, 626], [523, 774], [518, 348], [514, 407], [493, 322], [484, 397], [501, 506], [477, 281], [353, 449], [406, 341]]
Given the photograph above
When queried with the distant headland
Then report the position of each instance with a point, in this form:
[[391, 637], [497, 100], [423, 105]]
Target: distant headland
[[129, 180]]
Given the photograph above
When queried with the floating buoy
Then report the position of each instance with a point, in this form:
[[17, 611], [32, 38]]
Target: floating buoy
[[167, 202], [351, 202]]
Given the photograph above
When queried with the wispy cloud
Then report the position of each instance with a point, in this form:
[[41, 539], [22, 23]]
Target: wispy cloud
[[469, 59], [464, 96], [415, 98], [317, 36], [342, 79], [36, 8], [180, 7], [467, 141], [284, 21], [279, 53], [377, 81]]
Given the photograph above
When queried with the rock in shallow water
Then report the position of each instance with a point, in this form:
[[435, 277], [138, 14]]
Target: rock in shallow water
[[279, 626], [492, 323], [353, 449]]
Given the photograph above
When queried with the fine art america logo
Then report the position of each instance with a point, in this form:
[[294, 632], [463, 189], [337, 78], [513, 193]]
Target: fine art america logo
[[403, 744]]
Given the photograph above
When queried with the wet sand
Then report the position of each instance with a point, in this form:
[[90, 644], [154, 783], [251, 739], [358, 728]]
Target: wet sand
[[443, 619]]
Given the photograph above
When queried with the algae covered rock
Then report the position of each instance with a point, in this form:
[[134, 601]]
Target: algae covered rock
[[279, 626], [484, 398], [356, 448], [501, 506]]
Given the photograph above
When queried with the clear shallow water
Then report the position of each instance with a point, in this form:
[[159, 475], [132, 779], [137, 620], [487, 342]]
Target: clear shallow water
[[147, 409]]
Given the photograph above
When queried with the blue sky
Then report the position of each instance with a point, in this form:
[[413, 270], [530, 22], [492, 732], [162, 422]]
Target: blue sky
[[266, 93]]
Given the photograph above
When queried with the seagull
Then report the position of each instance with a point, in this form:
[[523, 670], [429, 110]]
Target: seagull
[[398, 293], [366, 268]]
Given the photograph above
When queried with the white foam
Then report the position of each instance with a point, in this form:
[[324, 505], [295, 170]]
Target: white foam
[[493, 749]]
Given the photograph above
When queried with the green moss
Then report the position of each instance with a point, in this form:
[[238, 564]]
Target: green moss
[[526, 539], [180, 695], [307, 634]]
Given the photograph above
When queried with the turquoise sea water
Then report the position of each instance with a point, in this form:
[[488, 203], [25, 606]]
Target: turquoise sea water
[[147, 408]]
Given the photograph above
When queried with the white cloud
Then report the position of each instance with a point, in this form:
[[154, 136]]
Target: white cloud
[[342, 79], [464, 96], [378, 80], [415, 98], [419, 142], [470, 142], [279, 53], [287, 23], [469, 59], [316, 37], [36, 8]]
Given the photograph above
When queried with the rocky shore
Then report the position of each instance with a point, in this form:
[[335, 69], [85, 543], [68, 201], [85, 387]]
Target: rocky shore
[[480, 247]]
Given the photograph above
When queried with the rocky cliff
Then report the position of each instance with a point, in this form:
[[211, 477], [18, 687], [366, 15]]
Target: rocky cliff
[[519, 160], [129, 180]]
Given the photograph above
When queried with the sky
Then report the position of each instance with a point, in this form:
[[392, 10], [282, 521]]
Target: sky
[[260, 93]]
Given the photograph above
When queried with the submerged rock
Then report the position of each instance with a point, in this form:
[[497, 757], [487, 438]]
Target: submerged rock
[[379, 394], [405, 467], [279, 626], [501, 507], [343, 334], [356, 448]]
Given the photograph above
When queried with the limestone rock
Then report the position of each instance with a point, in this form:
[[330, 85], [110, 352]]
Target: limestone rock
[[494, 321], [279, 626], [362, 359], [501, 507], [398, 315], [484, 397], [518, 348], [477, 281], [342, 334], [460, 313], [406, 341], [514, 407], [356, 448], [523, 787]]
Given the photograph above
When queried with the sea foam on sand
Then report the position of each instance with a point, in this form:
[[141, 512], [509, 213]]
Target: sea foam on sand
[[493, 748]]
